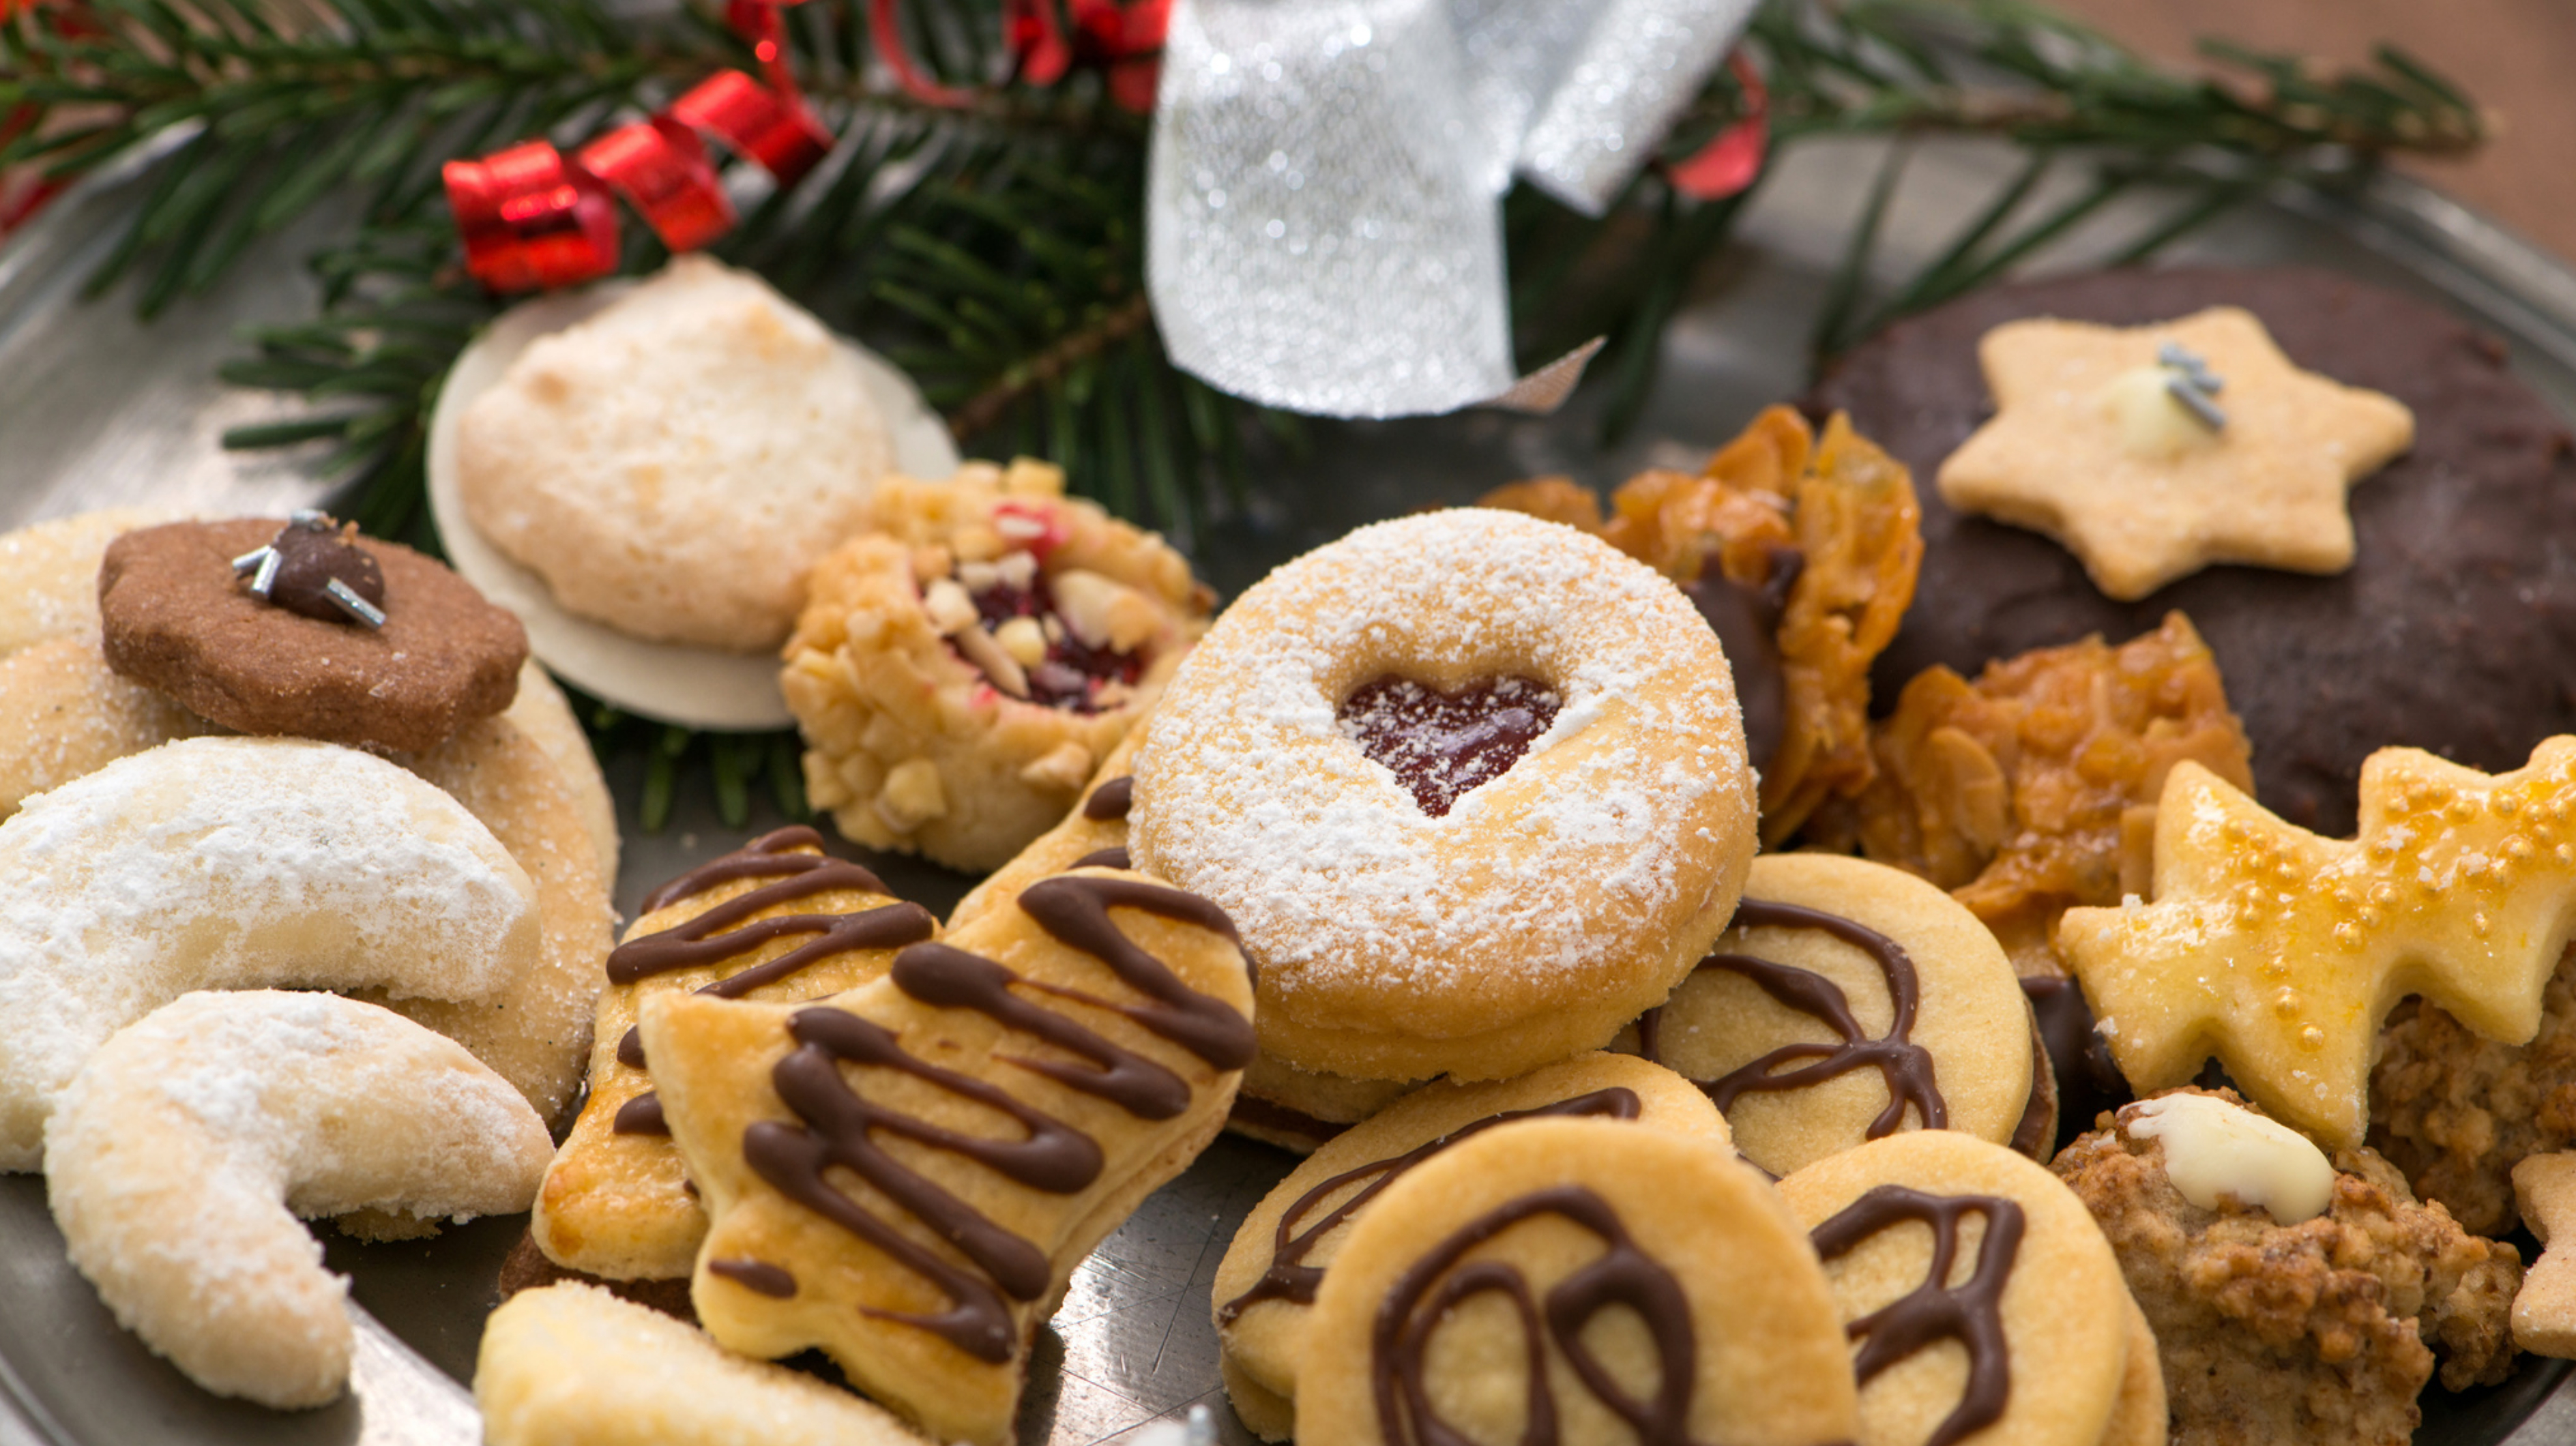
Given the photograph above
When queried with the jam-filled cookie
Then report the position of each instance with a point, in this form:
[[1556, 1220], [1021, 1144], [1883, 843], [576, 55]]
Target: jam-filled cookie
[[960, 672], [906, 1174], [1266, 1286], [775, 920], [1848, 1001], [1472, 784], [1982, 1301], [1609, 1282]]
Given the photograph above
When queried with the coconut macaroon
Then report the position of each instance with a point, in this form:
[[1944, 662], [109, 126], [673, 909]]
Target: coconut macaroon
[[673, 465]]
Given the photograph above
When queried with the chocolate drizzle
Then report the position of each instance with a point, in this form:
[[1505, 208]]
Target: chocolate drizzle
[[1110, 801], [1903, 1064], [837, 1125], [1623, 1275], [756, 1275], [771, 855], [1109, 858], [1971, 1313], [641, 1115], [1289, 1278]]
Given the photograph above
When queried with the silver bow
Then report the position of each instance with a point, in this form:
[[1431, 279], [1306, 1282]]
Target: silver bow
[[1324, 217]]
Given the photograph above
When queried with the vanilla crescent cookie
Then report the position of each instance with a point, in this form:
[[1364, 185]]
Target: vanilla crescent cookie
[[906, 1174], [1472, 784], [959, 672], [236, 863], [189, 1143], [1265, 1287], [1576, 1280], [775, 920], [1846, 1001], [1983, 1301], [572, 1365]]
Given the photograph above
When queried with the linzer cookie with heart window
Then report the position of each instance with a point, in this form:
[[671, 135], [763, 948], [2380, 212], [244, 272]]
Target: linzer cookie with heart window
[[1472, 784], [906, 1174], [1266, 1286], [1848, 1001], [1576, 1280], [775, 920], [960, 671], [1982, 1301]]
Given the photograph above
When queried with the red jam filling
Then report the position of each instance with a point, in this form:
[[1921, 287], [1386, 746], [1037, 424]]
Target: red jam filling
[[1440, 745], [1072, 673]]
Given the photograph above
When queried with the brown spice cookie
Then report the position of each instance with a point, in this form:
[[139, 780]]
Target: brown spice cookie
[[174, 617], [2325, 1330], [2456, 1111]]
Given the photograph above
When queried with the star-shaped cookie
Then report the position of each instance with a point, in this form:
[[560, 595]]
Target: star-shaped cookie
[[2154, 451], [2280, 952]]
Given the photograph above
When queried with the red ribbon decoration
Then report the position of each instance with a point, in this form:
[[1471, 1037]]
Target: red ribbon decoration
[[1731, 159], [1124, 38], [533, 219]]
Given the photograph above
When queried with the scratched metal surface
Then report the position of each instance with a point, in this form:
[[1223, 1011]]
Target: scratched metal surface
[[97, 409]]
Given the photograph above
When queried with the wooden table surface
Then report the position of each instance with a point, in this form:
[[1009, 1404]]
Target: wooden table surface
[[2517, 57]]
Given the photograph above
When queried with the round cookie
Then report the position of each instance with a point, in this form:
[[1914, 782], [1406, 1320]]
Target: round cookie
[[49, 574], [1567, 1261], [959, 673], [1983, 1301], [1846, 1001], [1265, 1287], [2461, 579], [674, 465], [1472, 785], [174, 616]]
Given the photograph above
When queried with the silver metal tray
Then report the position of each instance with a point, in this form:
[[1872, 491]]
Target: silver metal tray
[[97, 409]]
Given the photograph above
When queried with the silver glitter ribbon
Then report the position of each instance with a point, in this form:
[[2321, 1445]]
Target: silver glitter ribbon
[[1324, 204]]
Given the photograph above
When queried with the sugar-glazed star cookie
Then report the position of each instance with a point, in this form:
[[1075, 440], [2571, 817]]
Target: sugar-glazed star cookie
[[906, 1173], [2280, 952], [2154, 451]]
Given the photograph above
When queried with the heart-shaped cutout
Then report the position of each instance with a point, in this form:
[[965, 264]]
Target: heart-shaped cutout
[[1440, 744]]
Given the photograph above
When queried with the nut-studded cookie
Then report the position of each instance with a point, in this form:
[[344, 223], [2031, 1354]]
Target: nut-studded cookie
[[1848, 1000], [774, 920], [906, 1174], [1982, 1300], [1265, 1288], [1608, 1282], [1092, 835]]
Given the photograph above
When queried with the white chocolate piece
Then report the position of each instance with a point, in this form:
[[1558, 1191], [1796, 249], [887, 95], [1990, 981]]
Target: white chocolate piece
[[2152, 423], [572, 1365], [2215, 1150], [236, 863], [190, 1141]]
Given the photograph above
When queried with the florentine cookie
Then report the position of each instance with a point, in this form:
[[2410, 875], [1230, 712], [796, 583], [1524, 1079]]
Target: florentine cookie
[[906, 1174], [2324, 1330], [1847, 1001], [1265, 1287], [1471, 783], [2033, 789], [673, 466], [1934, 1239], [2280, 952], [571, 1363], [2461, 576], [2155, 451], [177, 617], [1801, 552], [2544, 1309], [188, 1138], [960, 671], [775, 920], [1617, 1283], [232, 863]]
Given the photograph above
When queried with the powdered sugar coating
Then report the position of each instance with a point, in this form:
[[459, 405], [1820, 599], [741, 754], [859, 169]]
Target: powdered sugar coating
[[234, 863], [190, 1141], [1550, 903]]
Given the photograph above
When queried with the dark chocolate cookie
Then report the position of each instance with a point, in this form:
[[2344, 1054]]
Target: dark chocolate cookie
[[2451, 631], [176, 615]]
